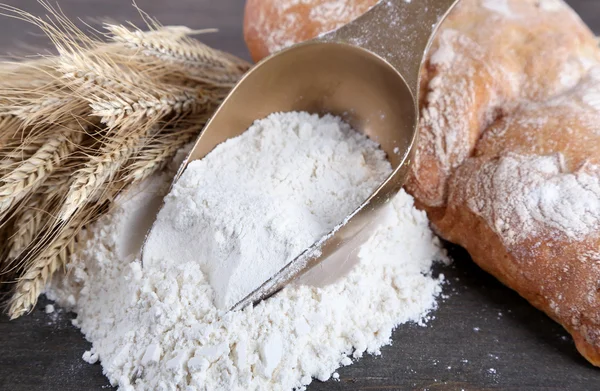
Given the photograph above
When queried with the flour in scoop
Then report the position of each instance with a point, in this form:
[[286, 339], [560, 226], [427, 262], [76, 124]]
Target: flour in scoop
[[259, 200]]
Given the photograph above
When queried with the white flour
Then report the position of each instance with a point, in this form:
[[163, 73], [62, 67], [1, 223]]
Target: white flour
[[156, 327], [258, 200]]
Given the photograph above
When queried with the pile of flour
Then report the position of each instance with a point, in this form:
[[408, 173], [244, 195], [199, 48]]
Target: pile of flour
[[259, 200], [156, 327]]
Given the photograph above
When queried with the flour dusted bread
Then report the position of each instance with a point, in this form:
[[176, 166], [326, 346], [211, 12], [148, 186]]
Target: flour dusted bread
[[527, 207], [507, 160], [486, 58]]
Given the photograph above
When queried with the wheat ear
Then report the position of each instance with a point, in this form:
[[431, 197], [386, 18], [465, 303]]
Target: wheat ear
[[172, 44], [99, 170], [33, 171], [123, 109], [27, 226], [40, 211], [22, 142], [127, 94], [43, 266]]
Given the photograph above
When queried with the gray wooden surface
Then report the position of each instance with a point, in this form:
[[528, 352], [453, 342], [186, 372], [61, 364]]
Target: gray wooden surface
[[483, 337]]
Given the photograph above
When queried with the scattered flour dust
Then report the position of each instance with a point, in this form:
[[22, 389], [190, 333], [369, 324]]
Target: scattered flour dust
[[258, 200], [157, 328]]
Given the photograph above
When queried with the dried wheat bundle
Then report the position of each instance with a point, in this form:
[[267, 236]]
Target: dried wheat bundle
[[79, 128]]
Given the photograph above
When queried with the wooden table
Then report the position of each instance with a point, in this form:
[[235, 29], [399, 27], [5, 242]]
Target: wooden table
[[483, 337]]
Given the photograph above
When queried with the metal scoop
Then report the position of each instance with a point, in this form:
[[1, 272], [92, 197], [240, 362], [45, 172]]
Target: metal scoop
[[367, 72]]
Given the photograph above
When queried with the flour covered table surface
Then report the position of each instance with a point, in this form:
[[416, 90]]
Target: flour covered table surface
[[482, 336]]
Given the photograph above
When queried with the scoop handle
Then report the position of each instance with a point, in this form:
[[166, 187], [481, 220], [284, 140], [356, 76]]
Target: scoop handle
[[399, 31]]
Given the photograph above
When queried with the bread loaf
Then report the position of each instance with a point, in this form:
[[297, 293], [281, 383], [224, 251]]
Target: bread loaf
[[506, 162]]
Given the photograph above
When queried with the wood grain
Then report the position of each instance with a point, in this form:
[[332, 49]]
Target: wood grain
[[483, 337]]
